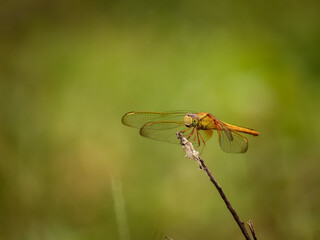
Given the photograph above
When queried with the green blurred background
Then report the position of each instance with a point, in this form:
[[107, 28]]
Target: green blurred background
[[69, 70]]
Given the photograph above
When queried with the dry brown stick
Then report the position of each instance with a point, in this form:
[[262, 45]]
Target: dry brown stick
[[253, 232], [192, 154], [169, 238]]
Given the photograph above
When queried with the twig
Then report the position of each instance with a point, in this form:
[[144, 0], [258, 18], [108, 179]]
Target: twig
[[192, 154], [169, 238], [253, 232], [120, 211]]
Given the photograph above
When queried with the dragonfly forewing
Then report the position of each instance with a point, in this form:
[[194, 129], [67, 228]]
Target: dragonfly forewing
[[139, 119], [163, 130]]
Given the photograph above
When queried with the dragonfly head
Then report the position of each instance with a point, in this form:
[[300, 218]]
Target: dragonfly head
[[191, 120]]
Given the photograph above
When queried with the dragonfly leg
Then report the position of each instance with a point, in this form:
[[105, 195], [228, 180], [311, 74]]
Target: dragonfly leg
[[197, 139], [204, 143], [195, 136], [199, 143], [189, 136], [186, 130]]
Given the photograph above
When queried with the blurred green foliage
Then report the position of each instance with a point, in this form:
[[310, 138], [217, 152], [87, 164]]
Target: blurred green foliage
[[69, 70]]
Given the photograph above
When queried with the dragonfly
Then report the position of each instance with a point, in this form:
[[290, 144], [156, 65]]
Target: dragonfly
[[197, 127]]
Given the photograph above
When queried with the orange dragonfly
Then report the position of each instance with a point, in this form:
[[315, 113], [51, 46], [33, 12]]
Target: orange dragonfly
[[196, 127]]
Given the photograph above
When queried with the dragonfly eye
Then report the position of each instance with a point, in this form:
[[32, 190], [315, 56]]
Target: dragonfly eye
[[191, 120]]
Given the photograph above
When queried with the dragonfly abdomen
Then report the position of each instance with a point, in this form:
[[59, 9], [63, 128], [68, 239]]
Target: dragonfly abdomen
[[243, 129]]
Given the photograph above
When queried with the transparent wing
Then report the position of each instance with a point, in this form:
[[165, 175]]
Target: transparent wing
[[164, 131], [232, 142], [139, 119], [206, 134]]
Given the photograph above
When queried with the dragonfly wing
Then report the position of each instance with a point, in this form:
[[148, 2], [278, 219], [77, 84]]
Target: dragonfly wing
[[206, 134], [232, 142], [164, 131], [139, 119]]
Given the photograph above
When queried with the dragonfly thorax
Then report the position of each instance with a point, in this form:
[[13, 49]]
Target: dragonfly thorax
[[191, 120]]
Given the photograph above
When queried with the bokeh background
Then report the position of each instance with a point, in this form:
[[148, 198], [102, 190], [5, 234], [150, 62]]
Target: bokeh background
[[69, 70]]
